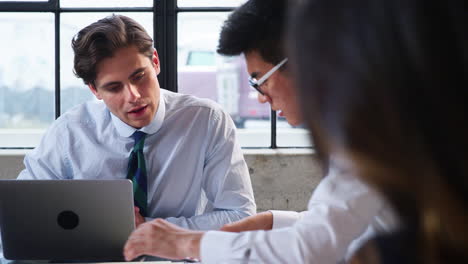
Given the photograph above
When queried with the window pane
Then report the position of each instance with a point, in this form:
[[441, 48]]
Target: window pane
[[73, 90], [26, 73], [289, 136], [204, 73], [201, 58], [106, 3], [210, 3]]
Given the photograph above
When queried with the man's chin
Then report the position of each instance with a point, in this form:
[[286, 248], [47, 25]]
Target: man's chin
[[138, 123], [293, 121]]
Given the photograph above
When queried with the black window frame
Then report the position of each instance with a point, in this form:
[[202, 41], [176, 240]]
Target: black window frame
[[165, 14]]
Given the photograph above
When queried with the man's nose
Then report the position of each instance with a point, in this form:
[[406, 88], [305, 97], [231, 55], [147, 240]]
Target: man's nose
[[133, 93], [263, 98]]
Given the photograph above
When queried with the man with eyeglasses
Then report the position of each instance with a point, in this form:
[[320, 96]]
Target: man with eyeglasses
[[343, 212]]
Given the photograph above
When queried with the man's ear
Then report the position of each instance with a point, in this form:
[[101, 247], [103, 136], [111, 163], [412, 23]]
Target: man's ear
[[156, 62], [94, 91]]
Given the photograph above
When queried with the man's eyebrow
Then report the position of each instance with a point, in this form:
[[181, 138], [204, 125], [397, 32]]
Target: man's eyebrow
[[136, 71], [130, 76]]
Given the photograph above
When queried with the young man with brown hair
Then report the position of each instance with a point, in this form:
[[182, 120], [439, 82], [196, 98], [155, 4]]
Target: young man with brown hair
[[180, 151]]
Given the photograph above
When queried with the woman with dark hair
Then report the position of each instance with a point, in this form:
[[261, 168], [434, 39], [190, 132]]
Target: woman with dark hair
[[384, 85]]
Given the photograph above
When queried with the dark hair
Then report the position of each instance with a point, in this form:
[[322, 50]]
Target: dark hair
[[386, 81], [101, 39], [257, 25]]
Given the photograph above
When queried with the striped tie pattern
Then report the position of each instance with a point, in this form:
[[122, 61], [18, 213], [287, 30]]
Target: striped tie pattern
[[137, 173]]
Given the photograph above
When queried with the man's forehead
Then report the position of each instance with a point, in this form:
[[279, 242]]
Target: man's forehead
[[253, 56], [108, 70], [254, 63]]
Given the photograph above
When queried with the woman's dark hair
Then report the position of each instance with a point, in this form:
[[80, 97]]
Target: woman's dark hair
[[101, 39], [385, 82]]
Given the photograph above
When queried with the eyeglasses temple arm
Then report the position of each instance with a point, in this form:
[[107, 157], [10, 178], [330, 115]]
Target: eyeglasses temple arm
[[270, 72]]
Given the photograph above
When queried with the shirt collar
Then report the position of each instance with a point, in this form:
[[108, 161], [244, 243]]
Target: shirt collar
[[125, 130]]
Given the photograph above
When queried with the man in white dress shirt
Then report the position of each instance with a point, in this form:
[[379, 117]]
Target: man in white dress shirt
[[342, 212], [196, 174]]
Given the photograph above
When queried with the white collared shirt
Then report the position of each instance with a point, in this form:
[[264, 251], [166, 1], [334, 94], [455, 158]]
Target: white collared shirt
[[342, 214], [197, 176]]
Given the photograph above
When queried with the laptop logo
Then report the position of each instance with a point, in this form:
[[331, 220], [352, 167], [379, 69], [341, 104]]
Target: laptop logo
[[68, 220]]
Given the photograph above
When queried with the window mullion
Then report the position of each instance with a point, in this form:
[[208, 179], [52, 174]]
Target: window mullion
[[165, 26], [273, 130], [57, 58], [14, 6]]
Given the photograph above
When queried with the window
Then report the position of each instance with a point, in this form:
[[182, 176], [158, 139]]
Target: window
[[204, 73], [37, 83], [26, 73], [201, 58]]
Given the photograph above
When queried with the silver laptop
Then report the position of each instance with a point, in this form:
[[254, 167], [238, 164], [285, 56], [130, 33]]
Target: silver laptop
[[65, 219]]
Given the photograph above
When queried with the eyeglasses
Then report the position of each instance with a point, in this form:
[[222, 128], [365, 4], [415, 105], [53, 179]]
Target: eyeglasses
[[257, 83]]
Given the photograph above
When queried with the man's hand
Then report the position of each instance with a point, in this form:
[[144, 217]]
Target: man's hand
[[163, 239], [261, 221], [138, 218]]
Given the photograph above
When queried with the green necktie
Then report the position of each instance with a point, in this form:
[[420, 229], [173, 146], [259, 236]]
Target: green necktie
[[137, 173]]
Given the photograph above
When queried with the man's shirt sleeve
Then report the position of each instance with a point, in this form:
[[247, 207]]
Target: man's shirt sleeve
[[226, 180], [340, 210], [48, 161], [284, 218]]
